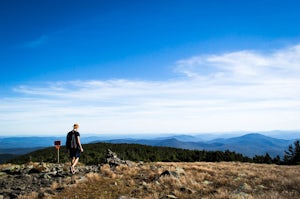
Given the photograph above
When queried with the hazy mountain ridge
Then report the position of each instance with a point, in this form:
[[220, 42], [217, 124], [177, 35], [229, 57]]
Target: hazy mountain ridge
[[250, 144]]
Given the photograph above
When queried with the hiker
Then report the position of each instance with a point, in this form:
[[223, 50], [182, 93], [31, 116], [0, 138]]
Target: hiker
[[74, 146]]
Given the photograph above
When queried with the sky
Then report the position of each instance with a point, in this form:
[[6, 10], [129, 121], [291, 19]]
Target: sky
[[149, 67]]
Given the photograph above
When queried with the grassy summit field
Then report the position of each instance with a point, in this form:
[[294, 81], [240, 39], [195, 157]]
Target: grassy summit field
[[190, 180], [166, 173]]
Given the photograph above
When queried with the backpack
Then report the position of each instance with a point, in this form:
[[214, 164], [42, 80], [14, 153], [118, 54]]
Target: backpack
[[71, 142]]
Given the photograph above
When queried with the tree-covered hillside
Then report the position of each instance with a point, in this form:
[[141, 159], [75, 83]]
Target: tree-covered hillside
[[95, 154]]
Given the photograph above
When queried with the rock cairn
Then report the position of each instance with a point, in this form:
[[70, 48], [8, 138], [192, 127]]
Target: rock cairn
[[113, 160]]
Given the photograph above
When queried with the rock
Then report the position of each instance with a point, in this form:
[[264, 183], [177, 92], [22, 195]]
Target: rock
[[261, 187], [245, 187], [34, 170], [169, 196], [144, 183], [46, 176], [41, 194], [13, 170], [13, 195], [153, 167], [125, 197], [186, 190], [169, 173], [141, 163], [180, 170], [241, 195], [49, 192], [59, 189], [165, 173], [206, 182], [157, 183], [3, 174], [241, 192], [129, 163]]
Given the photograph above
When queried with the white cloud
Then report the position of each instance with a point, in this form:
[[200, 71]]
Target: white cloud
[[243, 90]]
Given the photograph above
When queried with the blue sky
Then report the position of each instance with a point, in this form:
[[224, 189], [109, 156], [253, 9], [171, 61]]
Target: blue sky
[[120, 67]]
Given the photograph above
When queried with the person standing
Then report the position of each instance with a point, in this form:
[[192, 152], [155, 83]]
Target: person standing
[[74, 146]]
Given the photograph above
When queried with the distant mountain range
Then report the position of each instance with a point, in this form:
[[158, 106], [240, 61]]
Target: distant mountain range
[[249, 145]]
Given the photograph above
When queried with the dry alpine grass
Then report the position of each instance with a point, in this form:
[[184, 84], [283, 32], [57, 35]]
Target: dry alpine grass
[[190, 180]]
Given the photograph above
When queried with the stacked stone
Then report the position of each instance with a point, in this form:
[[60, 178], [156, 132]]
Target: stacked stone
[[113, 160]]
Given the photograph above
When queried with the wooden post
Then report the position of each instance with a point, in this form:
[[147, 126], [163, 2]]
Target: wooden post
[[57, 146], [58, 155]]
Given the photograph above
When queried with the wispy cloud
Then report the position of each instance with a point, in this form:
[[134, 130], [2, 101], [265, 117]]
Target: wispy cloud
[[244, 90], [36, 42], [245, 66]]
